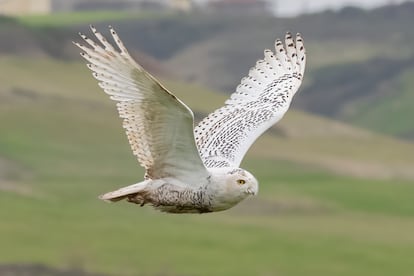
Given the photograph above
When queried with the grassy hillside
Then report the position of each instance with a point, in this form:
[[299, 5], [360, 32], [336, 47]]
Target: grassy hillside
[[359, 69], [76, 18], [334, 200], [348, 36], [392, 113], [377, 94]]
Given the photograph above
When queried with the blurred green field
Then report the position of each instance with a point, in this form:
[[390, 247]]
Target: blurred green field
[[334, 200], [360, 62], [391, 114], [81, 17]]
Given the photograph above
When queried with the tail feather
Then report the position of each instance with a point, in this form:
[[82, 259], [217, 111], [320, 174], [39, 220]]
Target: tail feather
[[124, 192]]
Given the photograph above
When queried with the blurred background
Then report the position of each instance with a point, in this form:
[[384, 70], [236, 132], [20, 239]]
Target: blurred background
[[336, 174]]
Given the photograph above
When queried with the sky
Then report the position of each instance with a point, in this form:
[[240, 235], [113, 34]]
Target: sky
[[294, 7]]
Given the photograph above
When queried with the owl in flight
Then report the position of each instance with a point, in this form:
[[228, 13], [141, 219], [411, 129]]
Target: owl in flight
[[193, 169]]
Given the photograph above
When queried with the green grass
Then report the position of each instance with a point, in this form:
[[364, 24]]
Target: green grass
[[65, 143], [391, 114], [219, 63], [82, 17]]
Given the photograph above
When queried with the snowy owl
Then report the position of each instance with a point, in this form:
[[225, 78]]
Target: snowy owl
[[193, 169]]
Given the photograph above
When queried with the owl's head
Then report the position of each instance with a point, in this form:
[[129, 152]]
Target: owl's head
[[230, 186], [239, 180]]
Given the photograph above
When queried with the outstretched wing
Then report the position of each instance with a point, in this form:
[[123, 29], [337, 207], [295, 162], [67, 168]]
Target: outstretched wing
[[158, 125], [261, 99]]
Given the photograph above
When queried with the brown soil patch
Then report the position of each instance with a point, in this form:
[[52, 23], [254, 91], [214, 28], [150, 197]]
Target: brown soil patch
[[40, 270], [11, 177]]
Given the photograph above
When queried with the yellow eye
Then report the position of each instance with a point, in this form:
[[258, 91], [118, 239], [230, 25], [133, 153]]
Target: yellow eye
[[241, 181]]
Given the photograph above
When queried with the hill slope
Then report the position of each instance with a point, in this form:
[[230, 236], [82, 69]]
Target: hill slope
[[299, 137], [334, 199], [376, 94], [359, 67], [62, 144]]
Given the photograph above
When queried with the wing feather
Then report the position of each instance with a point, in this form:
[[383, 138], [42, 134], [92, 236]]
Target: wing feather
[[158, 125], [260, 100]]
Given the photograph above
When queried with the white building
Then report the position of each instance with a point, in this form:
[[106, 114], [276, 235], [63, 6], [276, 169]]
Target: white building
[[24, 7]]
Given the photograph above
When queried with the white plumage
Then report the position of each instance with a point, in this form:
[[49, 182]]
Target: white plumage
[[193, 170]]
